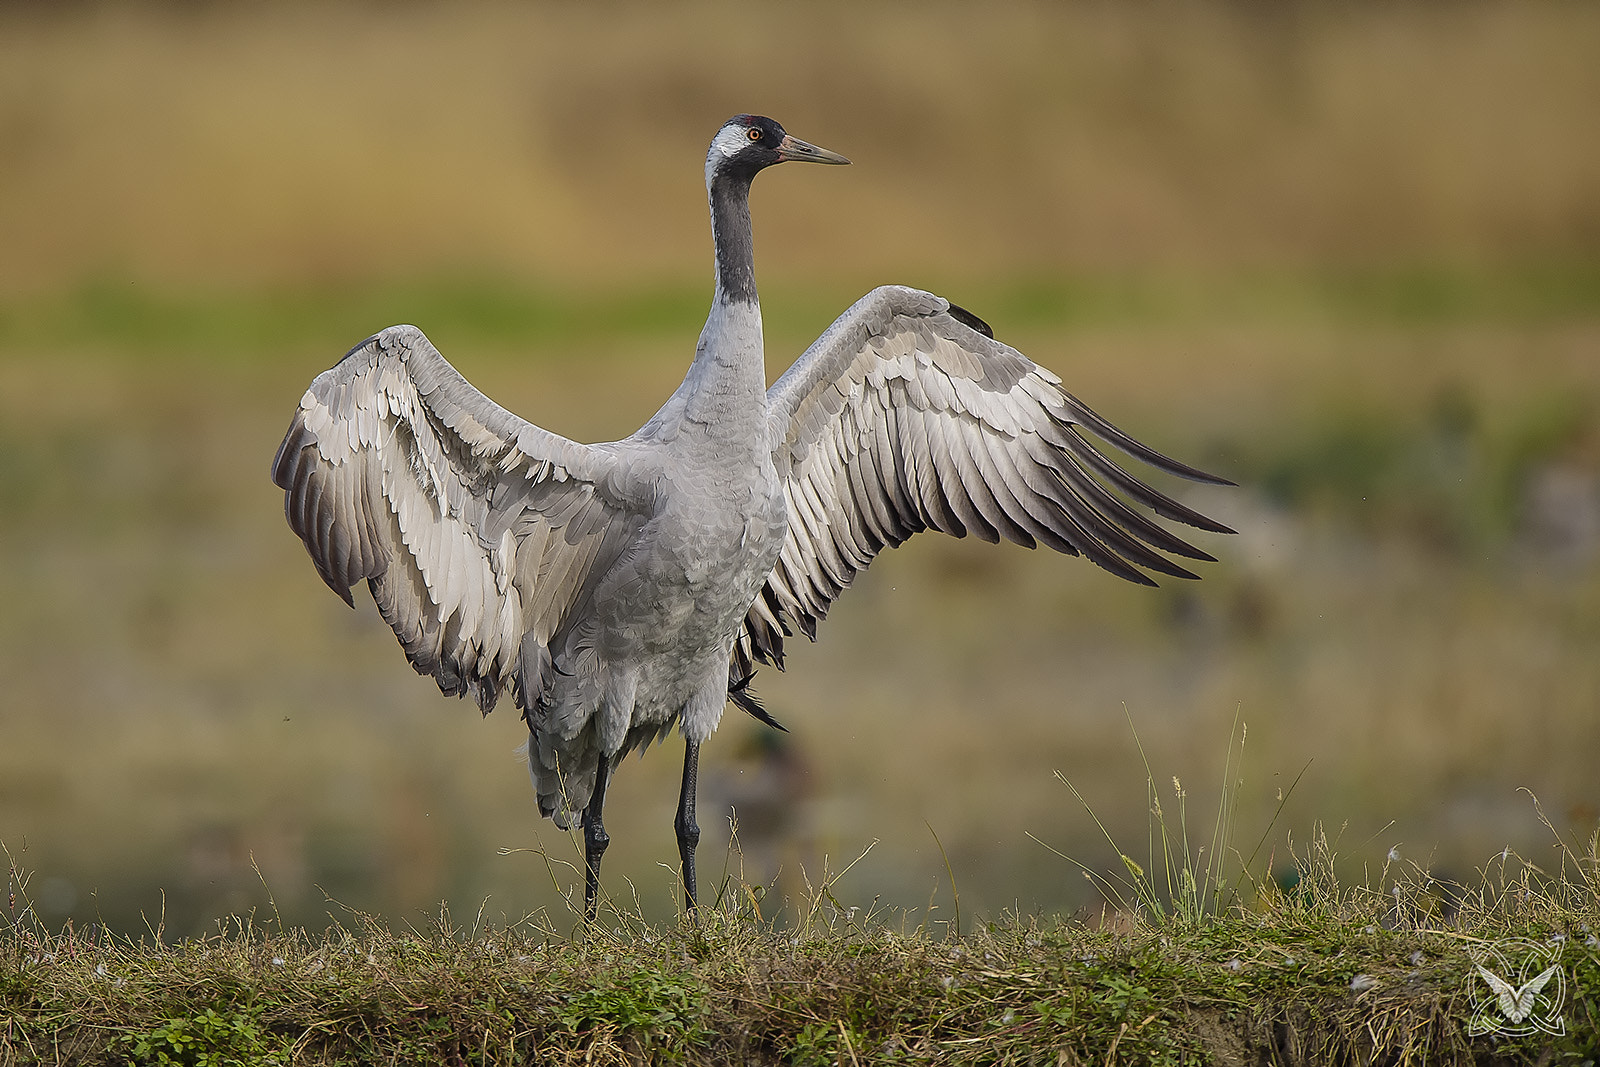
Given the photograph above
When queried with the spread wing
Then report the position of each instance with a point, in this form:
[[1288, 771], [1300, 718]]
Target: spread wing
[[479, 533], [908, 415]]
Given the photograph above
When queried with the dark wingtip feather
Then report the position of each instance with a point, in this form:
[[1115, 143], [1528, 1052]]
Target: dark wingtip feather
[[1086, 417], [739, 692], [1167, 567], [1210, 525], [1151, 498], [1137, 577], [971, 321]]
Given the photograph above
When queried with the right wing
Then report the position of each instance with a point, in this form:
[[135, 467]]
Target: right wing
[[478, 532]]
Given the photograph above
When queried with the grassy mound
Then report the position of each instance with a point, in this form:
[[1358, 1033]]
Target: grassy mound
[[1192, 970]]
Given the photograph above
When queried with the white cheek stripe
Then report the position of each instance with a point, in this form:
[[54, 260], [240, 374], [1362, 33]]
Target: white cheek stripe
[[728, 141]]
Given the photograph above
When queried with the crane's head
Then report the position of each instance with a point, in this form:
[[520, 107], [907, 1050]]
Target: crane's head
[[747, 143]]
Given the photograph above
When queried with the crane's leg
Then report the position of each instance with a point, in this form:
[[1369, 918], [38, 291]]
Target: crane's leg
[[688, 829], [595, 839]]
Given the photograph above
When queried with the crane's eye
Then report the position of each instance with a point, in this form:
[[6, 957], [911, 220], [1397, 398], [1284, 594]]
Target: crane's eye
[[753, 133]]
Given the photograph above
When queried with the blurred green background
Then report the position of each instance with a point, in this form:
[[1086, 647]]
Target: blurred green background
[[1348, 255]]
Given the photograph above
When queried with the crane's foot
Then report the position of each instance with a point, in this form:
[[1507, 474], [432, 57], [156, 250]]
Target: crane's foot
[[688, 829]]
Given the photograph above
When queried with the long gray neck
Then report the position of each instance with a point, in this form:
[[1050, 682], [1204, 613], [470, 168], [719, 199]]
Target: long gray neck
[[730, 231], [725, 389]]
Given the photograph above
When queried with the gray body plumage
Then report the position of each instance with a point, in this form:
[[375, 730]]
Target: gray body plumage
[[620, 589]]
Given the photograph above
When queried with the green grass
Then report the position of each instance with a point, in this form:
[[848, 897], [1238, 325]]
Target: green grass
[[479, 308], [1318, 973], [491, 307]]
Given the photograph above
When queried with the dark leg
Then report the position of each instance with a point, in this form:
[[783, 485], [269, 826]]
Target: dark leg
[[688, 829], [595, 839]]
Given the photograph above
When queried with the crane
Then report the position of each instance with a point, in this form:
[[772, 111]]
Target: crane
[[620, 589]]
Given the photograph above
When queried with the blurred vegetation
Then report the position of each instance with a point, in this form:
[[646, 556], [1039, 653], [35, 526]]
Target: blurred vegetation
[[1349, 256], [202, 144], [1440, 476], [485, 307]]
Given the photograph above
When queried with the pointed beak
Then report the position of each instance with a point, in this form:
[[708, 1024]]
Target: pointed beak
[[792, 149]]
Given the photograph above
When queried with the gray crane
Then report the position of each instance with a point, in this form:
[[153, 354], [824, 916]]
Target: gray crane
[[620, 589]]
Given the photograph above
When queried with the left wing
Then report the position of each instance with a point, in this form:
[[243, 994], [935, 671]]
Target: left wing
[[908, 415]]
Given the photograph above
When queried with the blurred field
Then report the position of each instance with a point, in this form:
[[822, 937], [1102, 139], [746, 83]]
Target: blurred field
[[1349, 257]]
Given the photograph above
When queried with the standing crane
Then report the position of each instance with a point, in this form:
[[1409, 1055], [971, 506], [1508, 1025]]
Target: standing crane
[[620, 589]]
